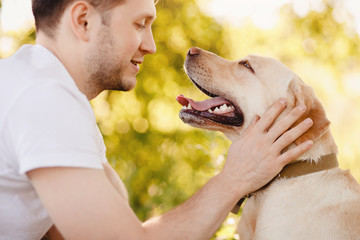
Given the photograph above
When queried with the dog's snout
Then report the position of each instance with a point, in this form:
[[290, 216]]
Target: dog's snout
[[194, 51]]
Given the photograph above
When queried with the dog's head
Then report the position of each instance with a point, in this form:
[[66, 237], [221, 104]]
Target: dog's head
[[241, 89]]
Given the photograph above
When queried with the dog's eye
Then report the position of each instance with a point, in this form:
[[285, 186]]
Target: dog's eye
[[247, 65]]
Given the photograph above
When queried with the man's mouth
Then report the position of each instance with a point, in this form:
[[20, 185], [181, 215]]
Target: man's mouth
[[216, 109], [136, 62]]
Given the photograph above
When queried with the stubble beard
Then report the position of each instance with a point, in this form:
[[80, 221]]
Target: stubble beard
[[106, 70]]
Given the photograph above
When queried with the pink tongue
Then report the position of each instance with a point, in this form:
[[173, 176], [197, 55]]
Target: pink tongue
[[201, 105]]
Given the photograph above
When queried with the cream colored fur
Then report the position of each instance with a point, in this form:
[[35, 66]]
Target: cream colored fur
[[321, 206]]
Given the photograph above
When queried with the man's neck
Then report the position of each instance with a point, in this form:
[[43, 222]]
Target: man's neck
[[70, 56]]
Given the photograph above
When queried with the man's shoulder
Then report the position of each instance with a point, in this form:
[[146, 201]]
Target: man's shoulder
[[33, 63], [32, 73]]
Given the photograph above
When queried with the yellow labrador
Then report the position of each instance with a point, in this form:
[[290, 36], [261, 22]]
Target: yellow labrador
[[313, 198]]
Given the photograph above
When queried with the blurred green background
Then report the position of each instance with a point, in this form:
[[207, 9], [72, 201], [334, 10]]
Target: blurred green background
[[161, 160]]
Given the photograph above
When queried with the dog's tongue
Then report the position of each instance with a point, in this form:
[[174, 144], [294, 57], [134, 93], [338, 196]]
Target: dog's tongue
[[201, 105]]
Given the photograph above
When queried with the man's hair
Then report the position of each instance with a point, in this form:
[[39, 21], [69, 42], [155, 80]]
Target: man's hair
[[47, 13]]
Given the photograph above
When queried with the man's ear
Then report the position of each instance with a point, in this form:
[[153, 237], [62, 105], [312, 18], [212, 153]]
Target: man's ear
[[79, 19], [299, 93]]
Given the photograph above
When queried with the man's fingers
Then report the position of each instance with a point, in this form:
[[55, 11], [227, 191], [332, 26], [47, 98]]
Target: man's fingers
[[286, 122], [295, 152], [290, 136], [271, 114], [253, 123]]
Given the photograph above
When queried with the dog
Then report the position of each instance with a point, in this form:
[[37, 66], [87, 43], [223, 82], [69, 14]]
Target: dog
[[312, 198]]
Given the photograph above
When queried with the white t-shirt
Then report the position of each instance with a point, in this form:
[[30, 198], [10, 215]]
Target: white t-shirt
[[45, 121]]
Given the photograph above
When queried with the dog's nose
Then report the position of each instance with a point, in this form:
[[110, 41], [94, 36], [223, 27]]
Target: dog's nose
[[194, 51]]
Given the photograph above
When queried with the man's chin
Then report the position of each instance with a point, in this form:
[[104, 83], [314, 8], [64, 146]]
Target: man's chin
[[131, 83], [125, 84]]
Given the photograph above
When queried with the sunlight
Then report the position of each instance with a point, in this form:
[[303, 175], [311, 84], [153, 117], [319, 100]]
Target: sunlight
[[16, 14], [6, 45], [342, 8], [264, 14]]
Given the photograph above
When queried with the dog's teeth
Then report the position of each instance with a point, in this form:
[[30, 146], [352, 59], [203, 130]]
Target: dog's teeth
[[223, 107], [187, 107], [217, 110]]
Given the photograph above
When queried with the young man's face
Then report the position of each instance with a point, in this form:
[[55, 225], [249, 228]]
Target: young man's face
[[120, 46]]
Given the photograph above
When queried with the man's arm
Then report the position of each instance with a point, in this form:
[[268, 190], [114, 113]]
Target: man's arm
[[84, 205], [54, 234], [116, 181]]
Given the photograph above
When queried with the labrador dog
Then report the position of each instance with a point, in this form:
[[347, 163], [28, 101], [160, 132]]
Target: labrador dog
[[312, 198]]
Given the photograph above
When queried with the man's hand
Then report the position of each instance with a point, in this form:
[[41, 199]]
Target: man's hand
[[257, 156]]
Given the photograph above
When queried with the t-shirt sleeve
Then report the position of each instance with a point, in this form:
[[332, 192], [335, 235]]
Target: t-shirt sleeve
[[52, 125]]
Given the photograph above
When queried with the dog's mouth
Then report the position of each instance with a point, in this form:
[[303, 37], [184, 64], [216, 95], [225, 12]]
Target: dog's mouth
[[216, 109]]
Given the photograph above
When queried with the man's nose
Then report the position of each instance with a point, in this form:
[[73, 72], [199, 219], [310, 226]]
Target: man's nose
[[148, 44]]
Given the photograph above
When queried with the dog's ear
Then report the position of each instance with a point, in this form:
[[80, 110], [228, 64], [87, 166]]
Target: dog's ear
[[299, 93]]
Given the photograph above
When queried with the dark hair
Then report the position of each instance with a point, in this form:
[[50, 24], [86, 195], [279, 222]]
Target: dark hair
[[47, 13]]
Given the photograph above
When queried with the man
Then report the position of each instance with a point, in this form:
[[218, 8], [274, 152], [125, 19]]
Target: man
[[53, 168]]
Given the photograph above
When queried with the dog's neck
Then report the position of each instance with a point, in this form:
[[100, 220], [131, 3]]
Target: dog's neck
[[302, 168], [323, 146], [299, 168], [322, 156]]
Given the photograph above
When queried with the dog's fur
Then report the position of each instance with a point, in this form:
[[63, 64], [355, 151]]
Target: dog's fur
[[323, 205]]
